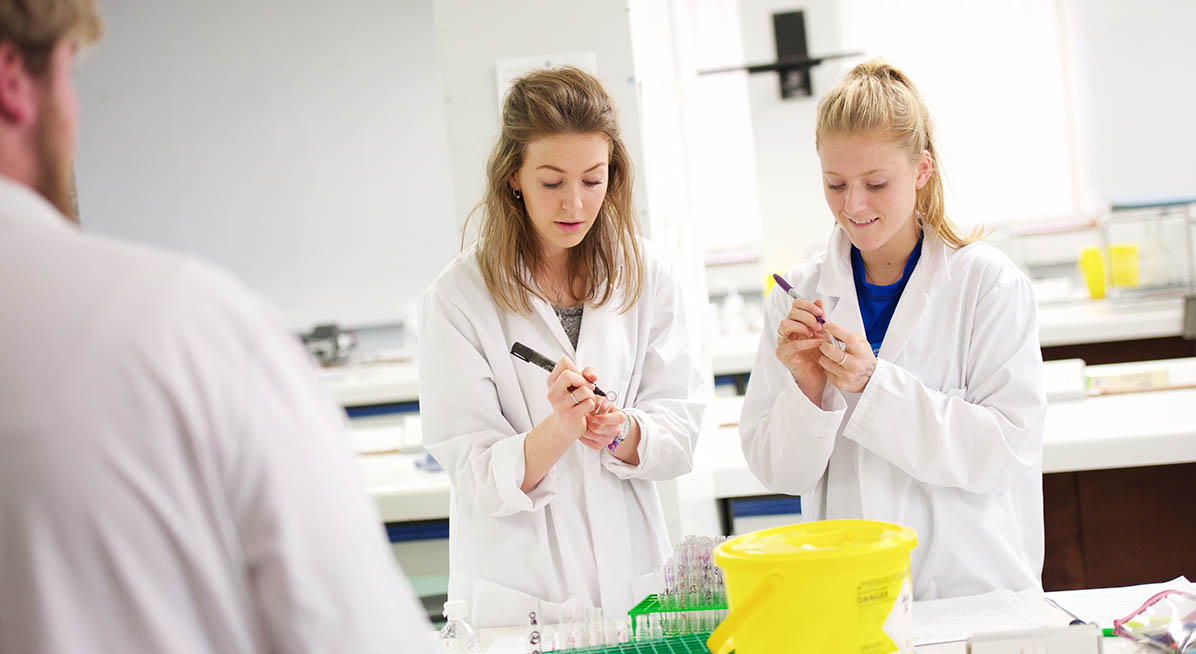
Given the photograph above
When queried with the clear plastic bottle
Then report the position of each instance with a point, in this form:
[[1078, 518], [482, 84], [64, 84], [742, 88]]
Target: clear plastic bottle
[[457, 636]]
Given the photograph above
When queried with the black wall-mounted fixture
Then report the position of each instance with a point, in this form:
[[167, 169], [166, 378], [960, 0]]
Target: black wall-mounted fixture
[[793, 62]]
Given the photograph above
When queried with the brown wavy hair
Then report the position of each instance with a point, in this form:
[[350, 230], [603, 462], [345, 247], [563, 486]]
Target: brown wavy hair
[[35, 27], [878, 95], [540, 104]]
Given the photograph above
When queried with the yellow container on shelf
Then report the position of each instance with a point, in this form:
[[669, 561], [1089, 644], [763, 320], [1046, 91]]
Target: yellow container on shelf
[[1124, 261], [831, 587], [1092, 265]]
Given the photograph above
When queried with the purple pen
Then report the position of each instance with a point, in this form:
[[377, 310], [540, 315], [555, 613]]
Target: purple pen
[[792, 292]]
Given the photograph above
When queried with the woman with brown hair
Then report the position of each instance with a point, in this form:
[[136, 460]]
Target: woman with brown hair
[[553, 498]]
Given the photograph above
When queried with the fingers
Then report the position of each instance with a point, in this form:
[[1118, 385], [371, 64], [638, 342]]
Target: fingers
[[607, 424], [571, 391], [793, 329], [561, 366], [570, 380], [807, 317], [789, 348], [833, 353], [571, 395], [590, 374], [602, 405], [804, 306]]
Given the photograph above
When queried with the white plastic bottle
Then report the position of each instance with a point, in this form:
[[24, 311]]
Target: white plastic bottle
[[457, 636]]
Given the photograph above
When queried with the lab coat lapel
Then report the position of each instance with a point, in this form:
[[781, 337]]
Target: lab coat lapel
[[608, 343], [602, 344], [548, 315], [929, 273], [837, 285], [843, 494]]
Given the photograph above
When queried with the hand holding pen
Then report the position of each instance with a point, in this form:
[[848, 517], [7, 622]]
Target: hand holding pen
[[571, 394], [600, 420], [815, 351]]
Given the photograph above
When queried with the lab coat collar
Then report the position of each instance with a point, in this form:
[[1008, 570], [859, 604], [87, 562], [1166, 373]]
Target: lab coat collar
[[593, 320], [837, 283], [20, 204]]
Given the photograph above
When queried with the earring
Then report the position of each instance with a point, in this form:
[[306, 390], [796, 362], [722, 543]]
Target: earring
[[517, 193]]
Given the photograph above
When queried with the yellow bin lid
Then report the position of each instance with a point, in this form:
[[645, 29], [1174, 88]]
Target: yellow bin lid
[[820, 540]]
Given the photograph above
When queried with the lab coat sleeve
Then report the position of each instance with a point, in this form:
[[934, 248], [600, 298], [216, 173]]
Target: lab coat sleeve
[[981, 438], [787, 440], [461, 418], [671, 393]]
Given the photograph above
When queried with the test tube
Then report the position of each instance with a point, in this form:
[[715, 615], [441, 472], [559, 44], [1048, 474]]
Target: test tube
[[597, 632], [567, 634], [620, 631], [643, 628]]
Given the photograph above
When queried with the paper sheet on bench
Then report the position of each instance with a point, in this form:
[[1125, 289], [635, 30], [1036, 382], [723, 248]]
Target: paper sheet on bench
[[947, 620]]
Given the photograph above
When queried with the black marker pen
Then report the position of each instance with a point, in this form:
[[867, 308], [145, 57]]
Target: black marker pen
[[521, 351]]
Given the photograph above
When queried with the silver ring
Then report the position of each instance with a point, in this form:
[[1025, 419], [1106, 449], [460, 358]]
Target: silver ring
[[840, 362], [575, 401]]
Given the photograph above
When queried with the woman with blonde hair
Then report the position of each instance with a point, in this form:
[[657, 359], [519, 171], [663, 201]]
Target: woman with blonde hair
[[553, 501], [904, 383]]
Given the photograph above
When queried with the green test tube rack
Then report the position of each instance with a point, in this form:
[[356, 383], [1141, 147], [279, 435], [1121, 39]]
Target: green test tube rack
[[653, 604], [680, 644]]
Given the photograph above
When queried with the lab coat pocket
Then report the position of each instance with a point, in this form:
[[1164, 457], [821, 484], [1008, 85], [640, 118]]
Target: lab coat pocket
[[495, 605]]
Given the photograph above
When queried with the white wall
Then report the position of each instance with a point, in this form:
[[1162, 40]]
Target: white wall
[[1137, 91], [991, 74], [471, 36], [795, 220], [300, 144]]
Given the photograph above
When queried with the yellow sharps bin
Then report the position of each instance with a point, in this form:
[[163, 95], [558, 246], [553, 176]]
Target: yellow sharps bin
[[826, 587]]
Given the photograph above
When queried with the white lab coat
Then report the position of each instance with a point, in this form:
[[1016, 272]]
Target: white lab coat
[[173, 477], [593, 531], [947, 435]]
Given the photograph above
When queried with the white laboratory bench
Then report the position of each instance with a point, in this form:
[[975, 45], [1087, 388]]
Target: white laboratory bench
[[372, 383], [402, 491], [1102, 321], [1092, 433]]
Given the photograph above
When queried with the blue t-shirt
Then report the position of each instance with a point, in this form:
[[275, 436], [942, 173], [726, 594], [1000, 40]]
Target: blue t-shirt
[[878, 301]]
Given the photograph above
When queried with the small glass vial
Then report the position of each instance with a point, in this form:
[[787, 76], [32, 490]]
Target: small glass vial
[[457, 636]]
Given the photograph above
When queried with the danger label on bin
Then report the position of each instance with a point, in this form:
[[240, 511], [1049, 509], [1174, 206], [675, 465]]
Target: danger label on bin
[[885, 609]]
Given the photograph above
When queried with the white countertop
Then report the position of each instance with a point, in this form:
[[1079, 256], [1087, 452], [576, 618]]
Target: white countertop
[[372, 383], [1090, 434], [403, 491], [1100, 321]]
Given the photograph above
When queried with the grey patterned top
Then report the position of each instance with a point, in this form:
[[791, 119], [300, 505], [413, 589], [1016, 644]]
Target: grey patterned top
[[571, 320]]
